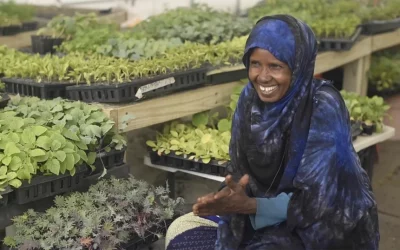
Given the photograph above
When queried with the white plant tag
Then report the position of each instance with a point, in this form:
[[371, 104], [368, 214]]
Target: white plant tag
[[153, 86]]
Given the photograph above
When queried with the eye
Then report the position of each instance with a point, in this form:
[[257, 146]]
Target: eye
[[275, 66], [255, 64]]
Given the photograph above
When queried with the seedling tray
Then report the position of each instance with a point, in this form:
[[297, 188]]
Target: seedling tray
[[138, 89], [356, 129], [228, 76], [4, 100], [6, 197], [109, 160], [28, 87], [10, 30], [177, 161], [46, 186], [29, 26], [376, 27], [332, 44], [45, 44], [383, 93]]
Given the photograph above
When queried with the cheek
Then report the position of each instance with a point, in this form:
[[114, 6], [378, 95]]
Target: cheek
[[252, 74]]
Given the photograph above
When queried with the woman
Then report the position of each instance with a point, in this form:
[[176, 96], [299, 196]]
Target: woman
[[295, 179]]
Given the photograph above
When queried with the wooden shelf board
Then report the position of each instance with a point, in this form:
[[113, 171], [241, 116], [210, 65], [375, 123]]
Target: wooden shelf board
[[154, 111]]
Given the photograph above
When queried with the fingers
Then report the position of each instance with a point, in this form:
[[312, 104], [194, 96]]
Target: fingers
[[226, 191], [244, 181], [207, 198]]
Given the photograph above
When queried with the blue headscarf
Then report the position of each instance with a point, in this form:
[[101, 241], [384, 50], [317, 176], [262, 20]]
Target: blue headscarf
[[292, 146]]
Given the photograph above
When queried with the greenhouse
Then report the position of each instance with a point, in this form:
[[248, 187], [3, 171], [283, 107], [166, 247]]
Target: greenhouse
[[132, 124]]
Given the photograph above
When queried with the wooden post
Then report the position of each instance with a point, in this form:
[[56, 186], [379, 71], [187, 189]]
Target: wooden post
[[356, 75]]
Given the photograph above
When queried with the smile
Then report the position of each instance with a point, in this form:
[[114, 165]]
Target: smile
[[268, 90]]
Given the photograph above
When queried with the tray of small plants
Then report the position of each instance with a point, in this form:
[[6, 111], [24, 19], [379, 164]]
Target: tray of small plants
[[49, 146], [367, 112], [16, 18], [384, 73], [200, 146], [113, 214], [383, 17]]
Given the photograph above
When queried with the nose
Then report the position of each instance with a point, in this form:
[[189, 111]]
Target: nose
[[265, 75]]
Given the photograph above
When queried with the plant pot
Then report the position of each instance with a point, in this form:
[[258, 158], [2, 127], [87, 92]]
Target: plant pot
[[45, 44], [177, 161], [42, 187], [368, 129], [4, 100], [339, 44], [376, 27], [10, 30], [139, 89], [29, 26], [6, 197], [356, 129], [109, 160], [28, 87]]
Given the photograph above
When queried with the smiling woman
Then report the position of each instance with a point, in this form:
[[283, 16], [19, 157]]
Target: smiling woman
[[270, 77], [295, 180]]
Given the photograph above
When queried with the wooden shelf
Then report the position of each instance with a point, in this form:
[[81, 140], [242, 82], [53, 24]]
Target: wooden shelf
[[154, 111]]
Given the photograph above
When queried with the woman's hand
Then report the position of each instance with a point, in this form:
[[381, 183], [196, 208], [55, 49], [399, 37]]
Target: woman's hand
[[232, 199]]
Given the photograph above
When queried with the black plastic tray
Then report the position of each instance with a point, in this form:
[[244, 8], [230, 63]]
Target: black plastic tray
[[46, 186], [28, 87], [383, 93], [109, 160], [6, 197], [376, 27], [356, 129], [331, 44], [4, 100], [10, 30], [228, 76], [45, 44], [125, 92], [176, 161], [29, 26]]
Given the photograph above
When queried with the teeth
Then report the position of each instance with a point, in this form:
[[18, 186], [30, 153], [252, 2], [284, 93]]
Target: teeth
[[268, 90]]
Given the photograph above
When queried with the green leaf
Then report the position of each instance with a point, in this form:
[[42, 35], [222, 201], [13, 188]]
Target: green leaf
[[39, 130], [69, 162], [6, 160], [200, 119], [15, 164], [81, 145], [206, 160], [83, 155], [37, 152], [93, 131], [43, 142], [70, 135], [23, 174], [60, 155], [206, 138], [107, 127], [11, 175], [28, 137], [224, 125], [151, 144], [91, 158], [56, 145], [11, 148], [42, 158], [174, 133], [3, 170], [53, 166], [15, 183], [57, 108]]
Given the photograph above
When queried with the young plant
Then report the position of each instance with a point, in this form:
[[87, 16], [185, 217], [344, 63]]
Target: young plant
[[111, 213]]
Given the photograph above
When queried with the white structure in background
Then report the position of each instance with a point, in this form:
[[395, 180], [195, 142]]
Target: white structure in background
[[141, 9]]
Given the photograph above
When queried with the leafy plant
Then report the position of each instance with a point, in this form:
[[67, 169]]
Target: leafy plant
[[384, 73], [197, 24], [111, 213], [380, 10], [205, 139], [15, 14], [370, 111], [67, 27]]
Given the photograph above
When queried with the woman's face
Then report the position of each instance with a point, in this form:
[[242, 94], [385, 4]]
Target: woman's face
[[270, 77]]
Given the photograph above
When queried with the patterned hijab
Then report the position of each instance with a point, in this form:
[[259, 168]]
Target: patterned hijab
[[266, 131]]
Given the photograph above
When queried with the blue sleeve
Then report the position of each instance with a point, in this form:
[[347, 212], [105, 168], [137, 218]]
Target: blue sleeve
[[270, 211]]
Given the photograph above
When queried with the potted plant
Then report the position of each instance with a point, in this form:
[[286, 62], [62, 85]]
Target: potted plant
[[113, 213]]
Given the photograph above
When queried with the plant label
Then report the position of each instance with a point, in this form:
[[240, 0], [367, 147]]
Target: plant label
[[154, 85]]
